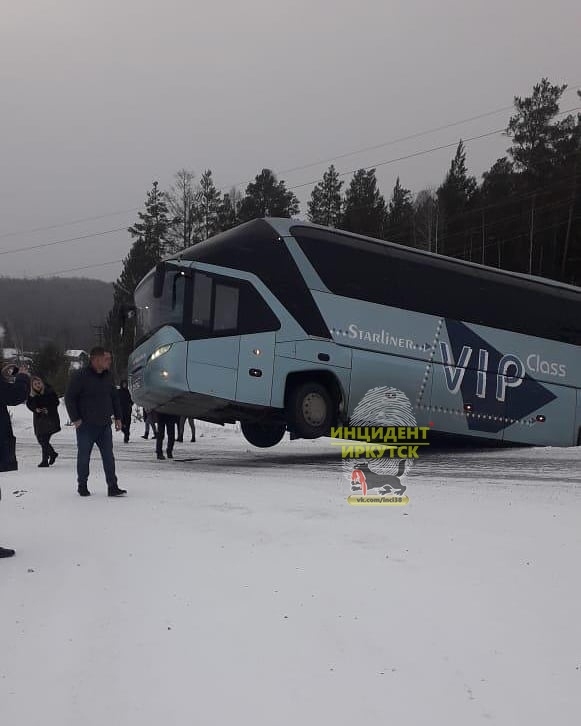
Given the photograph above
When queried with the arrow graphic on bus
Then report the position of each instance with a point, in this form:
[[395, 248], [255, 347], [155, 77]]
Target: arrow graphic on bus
[[495, 383]]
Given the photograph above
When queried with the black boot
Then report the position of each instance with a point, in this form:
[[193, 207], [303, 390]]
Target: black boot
[[116, 492], [52, 458], [169, 454], [160, 456], [83, 491], [5, 552]]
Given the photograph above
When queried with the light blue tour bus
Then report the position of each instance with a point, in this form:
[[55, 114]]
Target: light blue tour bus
[[285, 326]]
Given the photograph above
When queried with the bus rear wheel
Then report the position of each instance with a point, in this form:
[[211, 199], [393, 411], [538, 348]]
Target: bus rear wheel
[[263, 435], [310, 410]]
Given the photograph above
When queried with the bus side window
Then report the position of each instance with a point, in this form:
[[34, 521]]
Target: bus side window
[[202, 308], [226, 308]]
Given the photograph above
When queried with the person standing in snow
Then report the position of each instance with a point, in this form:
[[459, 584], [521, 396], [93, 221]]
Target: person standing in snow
[[126, 409], [92, 401], [148, 418], [166, 421], [44, 403], [12, 393], [182, 425]]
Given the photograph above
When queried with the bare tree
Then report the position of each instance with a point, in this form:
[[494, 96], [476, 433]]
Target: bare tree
[[182, 205], [425, 220]]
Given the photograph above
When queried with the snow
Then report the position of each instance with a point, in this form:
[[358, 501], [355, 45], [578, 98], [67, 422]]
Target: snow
[[234, 585]]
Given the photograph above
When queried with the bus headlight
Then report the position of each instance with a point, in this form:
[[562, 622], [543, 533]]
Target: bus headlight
[[159, 352]]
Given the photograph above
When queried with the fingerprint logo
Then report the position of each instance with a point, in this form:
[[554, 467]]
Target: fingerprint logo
[[382, 406]]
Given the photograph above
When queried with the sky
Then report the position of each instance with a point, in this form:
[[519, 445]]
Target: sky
[[101, 99]]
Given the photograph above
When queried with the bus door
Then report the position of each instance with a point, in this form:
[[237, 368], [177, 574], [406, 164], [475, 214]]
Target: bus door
[[213, 345], [255, 368]]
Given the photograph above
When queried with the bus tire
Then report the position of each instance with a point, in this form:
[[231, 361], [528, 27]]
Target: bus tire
[[310, 410], [262, 435]]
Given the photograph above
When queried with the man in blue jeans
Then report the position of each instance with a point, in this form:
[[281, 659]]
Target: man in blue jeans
[[92, 401]]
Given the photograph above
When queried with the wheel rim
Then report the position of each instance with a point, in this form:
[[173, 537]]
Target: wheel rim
[[314, 409]]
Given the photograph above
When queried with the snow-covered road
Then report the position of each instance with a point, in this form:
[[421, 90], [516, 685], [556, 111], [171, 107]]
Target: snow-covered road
[[238, 586]]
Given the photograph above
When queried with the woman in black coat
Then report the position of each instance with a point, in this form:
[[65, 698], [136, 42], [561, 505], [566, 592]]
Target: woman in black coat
[[44, 403]]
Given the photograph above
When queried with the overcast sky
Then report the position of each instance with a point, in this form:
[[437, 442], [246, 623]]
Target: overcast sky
[[101, 98]]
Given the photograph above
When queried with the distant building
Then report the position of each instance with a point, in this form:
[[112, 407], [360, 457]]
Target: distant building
[[13, 355], [77, 359]]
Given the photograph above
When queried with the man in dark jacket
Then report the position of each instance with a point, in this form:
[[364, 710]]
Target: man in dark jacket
[[92, 401], [11, 394], [126, 410]]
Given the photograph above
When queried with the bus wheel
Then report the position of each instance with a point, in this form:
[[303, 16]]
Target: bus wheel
[[263, 435], [310, 409]]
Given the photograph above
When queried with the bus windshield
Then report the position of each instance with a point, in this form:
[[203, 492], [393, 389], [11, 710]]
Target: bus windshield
[[154, 312]]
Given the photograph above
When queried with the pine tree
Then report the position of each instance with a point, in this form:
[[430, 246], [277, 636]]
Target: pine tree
[[455, 196], [154, 223], [498, 216], [267, 197], [207, 209], [534, 131], [400, 216], [229, 210], [325, 204], [181, 202], [150, 234], [544, 152], [364, 207]]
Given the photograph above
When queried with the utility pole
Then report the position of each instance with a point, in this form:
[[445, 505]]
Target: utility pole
[[531, 235], [98, 334]]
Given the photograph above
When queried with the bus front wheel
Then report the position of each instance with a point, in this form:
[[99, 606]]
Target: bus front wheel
[[262, 435], [310, 410]]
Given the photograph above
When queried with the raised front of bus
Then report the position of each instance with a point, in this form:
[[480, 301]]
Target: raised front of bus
[[213, 321]]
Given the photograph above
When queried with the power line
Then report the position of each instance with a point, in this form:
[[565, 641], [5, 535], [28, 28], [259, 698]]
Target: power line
[[419, 134], [383, 163], [68, 224], [391, 142], [76, 269], [423, 152], [62, 241], [407, 156], [296, 186]]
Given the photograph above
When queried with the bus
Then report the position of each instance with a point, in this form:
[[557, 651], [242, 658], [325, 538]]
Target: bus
[[284, 326]]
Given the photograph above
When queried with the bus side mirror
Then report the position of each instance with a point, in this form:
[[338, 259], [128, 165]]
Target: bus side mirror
[[158, 279]]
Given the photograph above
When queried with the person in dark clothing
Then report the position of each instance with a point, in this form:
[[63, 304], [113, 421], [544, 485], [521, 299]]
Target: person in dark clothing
[[149, 420], [91, 400], [44, 403], [126, 410], [182, 425], [14, 386], [166, 421]]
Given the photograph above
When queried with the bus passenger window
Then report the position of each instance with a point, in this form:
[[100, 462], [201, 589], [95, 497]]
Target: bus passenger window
[[178, 289], [202, 308], [226, 308]]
